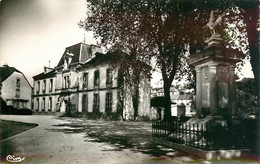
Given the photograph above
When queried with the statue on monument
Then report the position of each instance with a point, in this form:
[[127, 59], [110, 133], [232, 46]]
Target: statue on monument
[[215, 37], [212, 24]]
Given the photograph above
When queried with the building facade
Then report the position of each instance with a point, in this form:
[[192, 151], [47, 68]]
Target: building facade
[[15, 89], [84, 84]]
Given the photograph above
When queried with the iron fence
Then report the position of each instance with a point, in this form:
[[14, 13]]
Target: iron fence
[[204, 136]]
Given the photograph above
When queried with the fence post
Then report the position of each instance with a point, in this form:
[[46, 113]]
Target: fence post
[[202, 135], [193, 134], [207, 137], [165, 130], [152, 128], [190, 134]]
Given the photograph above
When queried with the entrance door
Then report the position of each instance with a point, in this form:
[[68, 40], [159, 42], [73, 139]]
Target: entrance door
[[63, 107]]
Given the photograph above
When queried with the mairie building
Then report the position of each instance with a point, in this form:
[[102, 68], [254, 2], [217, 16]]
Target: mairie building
[[84, 84]]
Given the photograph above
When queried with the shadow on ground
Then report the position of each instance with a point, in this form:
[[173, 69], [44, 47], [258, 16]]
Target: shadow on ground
[[135, 136]]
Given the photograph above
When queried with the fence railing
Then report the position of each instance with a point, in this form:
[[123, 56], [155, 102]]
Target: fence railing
[[203, 136]]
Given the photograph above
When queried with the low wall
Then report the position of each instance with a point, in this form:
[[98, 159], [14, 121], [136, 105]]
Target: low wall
[[208, 155]]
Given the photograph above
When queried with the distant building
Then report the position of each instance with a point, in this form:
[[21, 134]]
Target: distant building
[[182, 105], [84, 84], [181, 102], [15, 89]]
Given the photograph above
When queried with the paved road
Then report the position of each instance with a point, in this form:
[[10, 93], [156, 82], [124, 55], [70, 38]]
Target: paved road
[[49, 143], [76, 140]]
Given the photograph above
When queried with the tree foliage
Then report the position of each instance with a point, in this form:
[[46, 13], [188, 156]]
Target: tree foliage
[[130, 73], [162, 29], [145, 29], [246, 97]]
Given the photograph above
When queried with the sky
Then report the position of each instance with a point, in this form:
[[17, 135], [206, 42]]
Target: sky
[[34, 32]]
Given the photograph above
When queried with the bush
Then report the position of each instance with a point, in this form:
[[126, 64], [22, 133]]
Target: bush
[[2, 105], [24, 112], [11, 110]]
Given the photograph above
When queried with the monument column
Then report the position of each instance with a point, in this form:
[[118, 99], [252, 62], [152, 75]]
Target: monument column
[[232, 90], [198, 91], [213, 90]]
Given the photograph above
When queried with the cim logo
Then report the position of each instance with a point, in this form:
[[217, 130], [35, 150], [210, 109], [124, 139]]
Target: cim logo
[[12, 158]]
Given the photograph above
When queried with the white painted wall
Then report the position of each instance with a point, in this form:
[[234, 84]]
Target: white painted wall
[[9, 88], [102, 89]]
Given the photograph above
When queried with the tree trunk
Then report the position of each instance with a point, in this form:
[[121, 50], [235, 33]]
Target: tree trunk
[[251, 19], [135, 96], [167, 100], [254, 54], [121, 93]]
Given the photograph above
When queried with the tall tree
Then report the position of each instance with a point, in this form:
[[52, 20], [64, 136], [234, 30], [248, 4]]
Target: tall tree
[[160, 29], [149, 28], [131, 72]]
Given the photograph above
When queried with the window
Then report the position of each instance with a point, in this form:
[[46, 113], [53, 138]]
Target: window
[[51, 85], [85, 80], [96, 78], [44, 86], [109, 76], [38, 86], [108, 102], [84, 103], [96, 103], [66, 81], [50, 104], [37, 104], [17, 82], [17, 93], [43, 104]]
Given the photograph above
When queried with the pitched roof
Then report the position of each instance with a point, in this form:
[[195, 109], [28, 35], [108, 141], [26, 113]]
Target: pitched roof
[[6, 71], [81, 53], [44, 75], [97, 59]]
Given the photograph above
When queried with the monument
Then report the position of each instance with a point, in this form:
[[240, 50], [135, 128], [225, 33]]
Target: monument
[[215, 77]]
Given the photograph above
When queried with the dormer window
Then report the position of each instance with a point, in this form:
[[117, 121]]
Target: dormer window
[[67, 59], [66, 63]]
